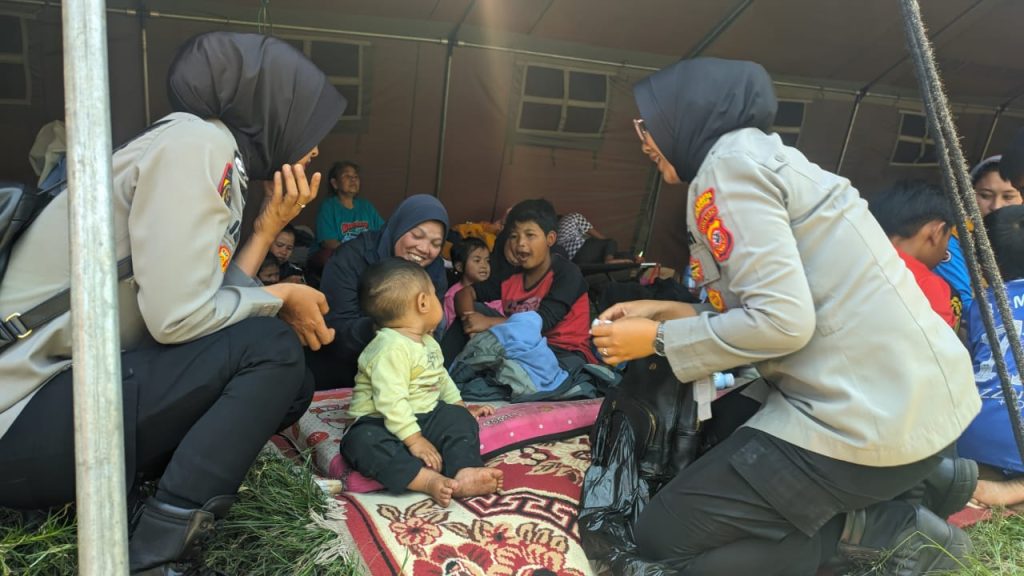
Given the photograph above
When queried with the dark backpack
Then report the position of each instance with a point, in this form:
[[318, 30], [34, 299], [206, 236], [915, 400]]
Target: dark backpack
[[19, 206]]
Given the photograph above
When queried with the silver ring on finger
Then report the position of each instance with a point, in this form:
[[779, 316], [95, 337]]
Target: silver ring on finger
[[604, 351]]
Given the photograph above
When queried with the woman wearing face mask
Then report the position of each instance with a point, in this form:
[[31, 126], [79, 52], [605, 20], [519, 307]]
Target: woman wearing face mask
[[212, 366], [866, 383], [415, 232]]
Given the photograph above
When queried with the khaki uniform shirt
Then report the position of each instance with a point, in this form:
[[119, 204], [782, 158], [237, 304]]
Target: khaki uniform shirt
[[178, 193], [809, 289]]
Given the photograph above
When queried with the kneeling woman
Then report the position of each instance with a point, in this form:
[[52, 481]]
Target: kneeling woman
[[867, 384]]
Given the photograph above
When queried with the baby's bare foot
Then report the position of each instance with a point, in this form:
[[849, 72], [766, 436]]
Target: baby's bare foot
[[441, 489], [478, 481]]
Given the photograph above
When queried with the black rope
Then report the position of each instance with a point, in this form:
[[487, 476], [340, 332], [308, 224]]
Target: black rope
[[958, 186]]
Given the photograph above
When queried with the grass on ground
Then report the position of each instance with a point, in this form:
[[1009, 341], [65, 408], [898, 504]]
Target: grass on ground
[[998, 548], [269, 532]]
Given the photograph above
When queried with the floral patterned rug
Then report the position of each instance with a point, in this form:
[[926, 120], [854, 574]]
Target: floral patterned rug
[[527, 530]]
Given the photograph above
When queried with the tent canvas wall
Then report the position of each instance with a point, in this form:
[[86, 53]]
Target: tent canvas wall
[[539, 96]]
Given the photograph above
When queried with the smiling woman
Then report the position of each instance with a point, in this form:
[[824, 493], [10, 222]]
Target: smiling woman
[[415, 232]]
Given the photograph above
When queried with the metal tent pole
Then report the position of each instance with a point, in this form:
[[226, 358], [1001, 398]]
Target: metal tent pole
[[144, 41], [991, 132], [849, 131], [453, 41], [99, 433]]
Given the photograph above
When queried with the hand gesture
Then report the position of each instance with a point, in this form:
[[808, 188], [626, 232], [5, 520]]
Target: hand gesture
[[480, 410], [425, 451], [475, 322], [625, 339], [285, 197], [303, 309]]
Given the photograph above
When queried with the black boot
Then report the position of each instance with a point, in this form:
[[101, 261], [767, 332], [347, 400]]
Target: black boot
[[948, 489], [167, 540], [901, 539]]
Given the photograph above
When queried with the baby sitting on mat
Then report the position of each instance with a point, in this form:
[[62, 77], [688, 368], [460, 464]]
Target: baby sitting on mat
[[413, 430]]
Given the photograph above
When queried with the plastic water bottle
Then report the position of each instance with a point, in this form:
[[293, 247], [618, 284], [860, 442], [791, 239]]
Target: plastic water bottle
[[723, 380]]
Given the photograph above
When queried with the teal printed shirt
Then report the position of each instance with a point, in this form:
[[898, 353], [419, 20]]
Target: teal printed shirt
[[336, 222]]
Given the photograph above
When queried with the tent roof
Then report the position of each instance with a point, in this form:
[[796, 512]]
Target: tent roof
[[833, 44]]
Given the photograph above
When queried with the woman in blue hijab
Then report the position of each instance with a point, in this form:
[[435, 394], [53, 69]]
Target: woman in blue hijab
[[867, 385], [415, 232]]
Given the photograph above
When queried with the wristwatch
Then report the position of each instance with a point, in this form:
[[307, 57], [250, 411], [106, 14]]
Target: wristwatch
[[659, 340]]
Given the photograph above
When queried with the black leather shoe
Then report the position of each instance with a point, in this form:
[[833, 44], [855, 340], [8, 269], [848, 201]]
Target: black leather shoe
[[901, 539], [168, 541]]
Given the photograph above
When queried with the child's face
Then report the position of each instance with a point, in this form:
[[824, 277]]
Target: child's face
[[478, 265], [269, 275], [530, 245], [993, 193], [283, 246]]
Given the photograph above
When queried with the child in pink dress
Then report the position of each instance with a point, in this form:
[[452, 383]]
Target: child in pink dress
[[472, 261]]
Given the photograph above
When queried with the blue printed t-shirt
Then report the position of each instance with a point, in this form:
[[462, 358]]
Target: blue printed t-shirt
[[989, 438], [336, 222], [953, 269]]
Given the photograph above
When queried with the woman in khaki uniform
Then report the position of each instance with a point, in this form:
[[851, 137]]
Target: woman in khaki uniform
[[866, 383], [212, 365]]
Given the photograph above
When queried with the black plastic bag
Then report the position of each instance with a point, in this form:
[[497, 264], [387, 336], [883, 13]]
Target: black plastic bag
[[614, 495]]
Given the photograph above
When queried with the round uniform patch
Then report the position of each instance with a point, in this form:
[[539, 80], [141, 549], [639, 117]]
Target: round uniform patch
[[716, 300], [225, 257], [719, 239]]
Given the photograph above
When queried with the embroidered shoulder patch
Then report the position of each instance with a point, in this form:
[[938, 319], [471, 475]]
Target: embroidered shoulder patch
[[224, 253], [706, 199], [720, 240], [716, 300], [224, 188], [709, 224]]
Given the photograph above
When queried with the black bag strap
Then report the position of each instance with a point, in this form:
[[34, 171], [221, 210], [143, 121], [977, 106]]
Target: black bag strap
[[18, 326]]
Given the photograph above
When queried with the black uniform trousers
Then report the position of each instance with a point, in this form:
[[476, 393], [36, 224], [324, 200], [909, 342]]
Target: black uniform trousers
[[755, 504], [377, 453], [195, 415]]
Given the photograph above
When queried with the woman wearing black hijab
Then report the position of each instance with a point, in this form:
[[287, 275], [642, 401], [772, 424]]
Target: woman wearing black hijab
[[415, 232], [867, 385], [213, 363]]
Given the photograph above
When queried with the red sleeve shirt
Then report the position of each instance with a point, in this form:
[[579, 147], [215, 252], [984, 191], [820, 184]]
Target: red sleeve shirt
[[934, 287], [561, 300]]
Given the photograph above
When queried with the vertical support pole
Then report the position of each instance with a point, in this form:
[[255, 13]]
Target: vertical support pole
[[453, 41], [99, 432], [143, 13], [849, 130], [444, 115], [991, 132]]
